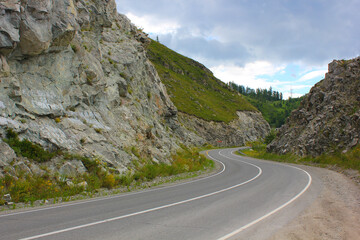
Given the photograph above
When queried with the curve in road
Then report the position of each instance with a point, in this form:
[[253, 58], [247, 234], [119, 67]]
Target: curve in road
[[221, 206]]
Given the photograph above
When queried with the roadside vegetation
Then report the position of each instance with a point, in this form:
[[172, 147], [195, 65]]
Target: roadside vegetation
[[193, 88], [348, 160], [28, 188]]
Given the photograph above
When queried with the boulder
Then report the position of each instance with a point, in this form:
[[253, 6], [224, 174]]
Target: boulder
[[72, 168]]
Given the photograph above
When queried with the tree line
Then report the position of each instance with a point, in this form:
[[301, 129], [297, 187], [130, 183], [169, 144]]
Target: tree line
[[259, 93], [270, 103]]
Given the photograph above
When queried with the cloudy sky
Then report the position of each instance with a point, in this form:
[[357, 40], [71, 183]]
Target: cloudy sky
[[285, 44]]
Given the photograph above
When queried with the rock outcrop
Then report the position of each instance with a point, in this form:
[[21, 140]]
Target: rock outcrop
[[74, 76], [329, 116], [250, 126]]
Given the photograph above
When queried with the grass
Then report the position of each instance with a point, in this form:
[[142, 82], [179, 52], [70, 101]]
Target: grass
[[348, 160], [29, 188], [193, 88]]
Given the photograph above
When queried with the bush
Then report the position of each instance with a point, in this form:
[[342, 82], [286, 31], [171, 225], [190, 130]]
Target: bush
[[92, 165], [25, 148], [109, 181], [270, 137]]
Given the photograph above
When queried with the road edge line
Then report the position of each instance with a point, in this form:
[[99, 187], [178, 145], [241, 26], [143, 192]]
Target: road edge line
[[237, 231]]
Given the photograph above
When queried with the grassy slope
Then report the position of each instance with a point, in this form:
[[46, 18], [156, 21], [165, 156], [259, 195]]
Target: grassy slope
[[193, 89], [275, 112]]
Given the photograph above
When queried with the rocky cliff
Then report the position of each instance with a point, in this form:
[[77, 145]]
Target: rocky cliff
[[328, 118], [249, 126], [74, 76]]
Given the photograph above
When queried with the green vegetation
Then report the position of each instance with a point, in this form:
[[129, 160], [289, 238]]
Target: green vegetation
[[29, 188], [193, 88], [349, 160], [270, 103], [276, 112], [25, 148], [186, 160]]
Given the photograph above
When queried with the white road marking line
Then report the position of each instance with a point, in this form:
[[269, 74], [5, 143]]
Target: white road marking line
[[149, 210], [114, 197], [275, 210]]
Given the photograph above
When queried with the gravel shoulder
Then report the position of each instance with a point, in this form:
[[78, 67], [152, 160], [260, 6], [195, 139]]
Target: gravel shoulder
[[335, 214]]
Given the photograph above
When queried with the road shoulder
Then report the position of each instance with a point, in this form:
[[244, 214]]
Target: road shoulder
[[335, 214]]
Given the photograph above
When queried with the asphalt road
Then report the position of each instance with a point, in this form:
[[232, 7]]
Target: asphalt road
[[247, 199]]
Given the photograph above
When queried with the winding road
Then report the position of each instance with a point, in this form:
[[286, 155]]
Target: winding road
[[247, 199]]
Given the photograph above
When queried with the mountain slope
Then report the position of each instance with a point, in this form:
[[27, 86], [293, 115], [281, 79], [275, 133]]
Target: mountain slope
[[328, 119], [193, 88]]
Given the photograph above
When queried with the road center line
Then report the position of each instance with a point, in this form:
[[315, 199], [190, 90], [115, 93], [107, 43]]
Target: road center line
[[273, 211], [152, 209]]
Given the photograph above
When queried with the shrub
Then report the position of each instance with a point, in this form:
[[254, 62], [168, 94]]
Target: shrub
[[109, 181], [135, 151], [93, 166], [123, 180], [93, 181], [270, 137], [25, 148]]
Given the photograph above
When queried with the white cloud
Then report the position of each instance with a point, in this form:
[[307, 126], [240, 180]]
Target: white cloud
[[154, 25], [312, 75], [250, 75]]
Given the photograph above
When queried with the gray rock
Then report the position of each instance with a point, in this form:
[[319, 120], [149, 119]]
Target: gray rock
[[36, 170], [75, 77], [328, 118], [72, 168], [8, 200], [7, 154], [21, 167], [250, 126]]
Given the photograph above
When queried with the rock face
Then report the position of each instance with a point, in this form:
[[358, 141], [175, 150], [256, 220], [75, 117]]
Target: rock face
[[329, 116], [74, 76], [250, 126]]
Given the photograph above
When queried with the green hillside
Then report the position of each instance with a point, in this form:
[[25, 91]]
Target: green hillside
[[270, 103], [193, 88], [275, 112]]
